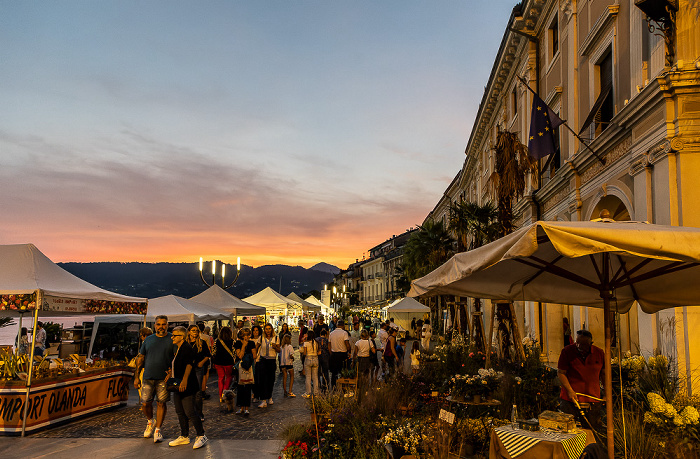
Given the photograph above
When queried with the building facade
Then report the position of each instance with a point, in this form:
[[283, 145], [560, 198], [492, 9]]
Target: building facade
[[632, 97]]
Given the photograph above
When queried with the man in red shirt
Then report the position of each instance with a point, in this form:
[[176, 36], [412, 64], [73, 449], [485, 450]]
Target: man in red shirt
[[580, 369]]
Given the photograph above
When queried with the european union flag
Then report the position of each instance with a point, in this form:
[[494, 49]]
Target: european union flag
[[543, 121]]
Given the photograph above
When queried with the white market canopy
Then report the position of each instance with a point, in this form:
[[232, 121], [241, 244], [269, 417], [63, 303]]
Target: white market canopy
[[180, 309], [272, 301], [24, 270], [325, 310], [306, 305], [407, 305], [559, 262], [176, 308], [220, 299]]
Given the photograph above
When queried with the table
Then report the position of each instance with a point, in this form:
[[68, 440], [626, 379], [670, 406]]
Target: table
[[507, 443], [60, 399]]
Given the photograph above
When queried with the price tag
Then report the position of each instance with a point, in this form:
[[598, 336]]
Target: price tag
[[447, 416]]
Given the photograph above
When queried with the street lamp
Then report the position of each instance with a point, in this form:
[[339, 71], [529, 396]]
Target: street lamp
[[223, 273]]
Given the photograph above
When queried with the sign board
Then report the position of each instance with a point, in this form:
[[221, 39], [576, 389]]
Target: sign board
[[57, 400], [447, 416]]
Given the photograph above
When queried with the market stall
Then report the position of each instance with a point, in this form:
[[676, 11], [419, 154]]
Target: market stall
[[60, 390], [218, 298], [176, 308], [404, 310], [276, 304]]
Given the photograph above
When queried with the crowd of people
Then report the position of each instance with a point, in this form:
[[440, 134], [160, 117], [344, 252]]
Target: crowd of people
[[246, 360]]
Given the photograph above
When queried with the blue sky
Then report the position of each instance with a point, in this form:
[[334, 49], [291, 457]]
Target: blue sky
[[279, 131]]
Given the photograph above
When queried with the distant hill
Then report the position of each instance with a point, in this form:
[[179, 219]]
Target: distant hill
[[326, 268], [151, 280]]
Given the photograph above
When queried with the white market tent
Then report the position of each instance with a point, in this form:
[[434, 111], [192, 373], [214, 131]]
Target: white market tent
[[275, 303], [325, 310], [405, 310], [31, 282], [24, 270], [307, 306], [220, 299], [176, 308]]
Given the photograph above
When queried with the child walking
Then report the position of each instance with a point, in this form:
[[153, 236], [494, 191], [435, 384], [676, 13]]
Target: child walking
[[287, 365], [415, 357]]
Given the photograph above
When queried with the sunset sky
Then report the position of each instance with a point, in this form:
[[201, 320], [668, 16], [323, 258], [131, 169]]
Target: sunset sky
[[288, 132]]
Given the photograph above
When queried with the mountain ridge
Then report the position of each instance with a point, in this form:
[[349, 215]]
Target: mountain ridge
[[151, 280]]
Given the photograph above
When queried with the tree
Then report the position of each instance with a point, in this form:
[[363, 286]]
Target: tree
[[474, 224], [427, 249], [513, 163]]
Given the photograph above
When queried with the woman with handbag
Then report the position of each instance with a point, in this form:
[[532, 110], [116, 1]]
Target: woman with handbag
[[183, 383], [269, 347], [224, 359], [245, 351], [202, 358]]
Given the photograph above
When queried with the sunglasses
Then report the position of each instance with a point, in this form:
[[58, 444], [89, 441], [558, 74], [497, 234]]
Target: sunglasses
[[181, 336]]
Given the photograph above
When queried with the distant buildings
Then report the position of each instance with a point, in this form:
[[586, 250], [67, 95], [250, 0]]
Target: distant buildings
[[373, 281]]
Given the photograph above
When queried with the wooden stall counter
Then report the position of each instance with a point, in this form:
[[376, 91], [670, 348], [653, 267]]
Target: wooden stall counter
[[62, 398]]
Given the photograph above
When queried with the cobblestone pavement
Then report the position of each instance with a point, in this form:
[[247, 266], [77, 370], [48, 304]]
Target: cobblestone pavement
[[262, 424]]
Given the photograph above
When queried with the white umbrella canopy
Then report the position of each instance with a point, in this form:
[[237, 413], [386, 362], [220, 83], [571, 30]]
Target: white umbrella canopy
[[562, 262], [408, 305], [324, 309], [220, 299], [581, 263]]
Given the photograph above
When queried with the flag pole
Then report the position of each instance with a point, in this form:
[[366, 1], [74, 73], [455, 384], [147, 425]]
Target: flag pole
[[602, 160]]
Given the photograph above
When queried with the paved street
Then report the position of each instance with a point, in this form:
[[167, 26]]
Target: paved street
[[118, 433]]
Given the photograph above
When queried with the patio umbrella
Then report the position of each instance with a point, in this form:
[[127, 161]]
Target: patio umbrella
[[583, 263]]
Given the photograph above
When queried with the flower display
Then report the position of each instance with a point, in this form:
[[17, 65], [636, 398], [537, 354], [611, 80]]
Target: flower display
[[408, 436], [295, 450]]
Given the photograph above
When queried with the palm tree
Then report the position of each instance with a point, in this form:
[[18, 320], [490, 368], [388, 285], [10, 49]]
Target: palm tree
[[513, 163], [508, 179], [474, 224], [426, 249]]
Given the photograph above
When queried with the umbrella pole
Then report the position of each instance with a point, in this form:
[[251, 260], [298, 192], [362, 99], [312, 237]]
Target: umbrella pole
[[608, 375]]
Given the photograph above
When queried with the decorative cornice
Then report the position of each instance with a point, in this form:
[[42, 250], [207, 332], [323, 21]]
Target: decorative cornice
[[638, 164]]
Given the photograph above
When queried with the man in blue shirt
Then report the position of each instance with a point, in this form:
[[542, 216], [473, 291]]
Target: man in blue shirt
[[155, 356]]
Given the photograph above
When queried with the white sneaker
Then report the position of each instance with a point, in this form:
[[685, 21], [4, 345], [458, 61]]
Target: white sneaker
[[180, 441], [263, 404], [157, 436], [269, 401], [305, 395], [149, 429], [200, 441]]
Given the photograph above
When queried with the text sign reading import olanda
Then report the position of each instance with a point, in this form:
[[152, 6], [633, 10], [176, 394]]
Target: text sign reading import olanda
[[57, 401]]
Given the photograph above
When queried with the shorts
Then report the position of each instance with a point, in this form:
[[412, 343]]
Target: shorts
[[151, 386], [286, 367]]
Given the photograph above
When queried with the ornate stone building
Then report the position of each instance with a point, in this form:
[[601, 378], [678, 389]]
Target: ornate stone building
[[632, 97]]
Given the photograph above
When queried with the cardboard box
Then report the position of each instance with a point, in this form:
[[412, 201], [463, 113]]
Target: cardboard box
[[557, 421]]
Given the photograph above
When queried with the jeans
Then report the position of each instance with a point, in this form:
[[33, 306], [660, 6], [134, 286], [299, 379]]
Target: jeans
[[186, 412], [198, 399], [323, 366], [267, 378], [311, 368]]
